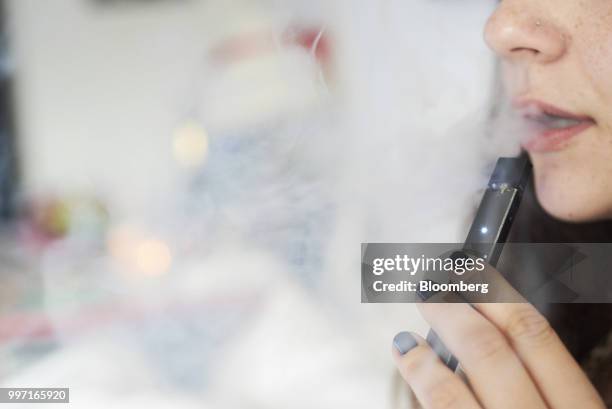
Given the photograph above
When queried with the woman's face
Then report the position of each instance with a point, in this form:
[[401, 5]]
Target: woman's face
[[557, 65]]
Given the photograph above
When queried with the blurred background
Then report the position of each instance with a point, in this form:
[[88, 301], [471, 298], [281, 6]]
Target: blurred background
[[185, 185]]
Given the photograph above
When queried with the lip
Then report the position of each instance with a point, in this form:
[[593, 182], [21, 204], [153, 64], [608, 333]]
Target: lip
[[543, 139]]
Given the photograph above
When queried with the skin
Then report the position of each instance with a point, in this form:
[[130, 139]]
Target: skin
[[510, 355], [560, 53]]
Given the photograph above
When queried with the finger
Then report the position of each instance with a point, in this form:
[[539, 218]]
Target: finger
[[560, 380], [434, 385], [539, 348], [498, 288], [495, 372]]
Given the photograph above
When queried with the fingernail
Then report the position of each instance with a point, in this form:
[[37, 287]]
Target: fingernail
[[404, 342]]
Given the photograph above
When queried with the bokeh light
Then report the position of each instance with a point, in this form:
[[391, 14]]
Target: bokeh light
[[139, 252], [190, 145]]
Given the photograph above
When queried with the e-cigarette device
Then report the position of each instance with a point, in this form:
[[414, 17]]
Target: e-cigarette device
[[491, 225]]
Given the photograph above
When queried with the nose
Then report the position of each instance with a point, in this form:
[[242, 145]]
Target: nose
[[516, 33]]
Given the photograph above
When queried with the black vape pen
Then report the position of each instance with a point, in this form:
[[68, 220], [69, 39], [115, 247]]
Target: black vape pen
[[491, 225]]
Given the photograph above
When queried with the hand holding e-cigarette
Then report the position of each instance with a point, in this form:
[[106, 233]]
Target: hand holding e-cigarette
[[508, 353]]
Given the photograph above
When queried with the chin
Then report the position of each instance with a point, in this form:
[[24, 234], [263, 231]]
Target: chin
[[570, 193]]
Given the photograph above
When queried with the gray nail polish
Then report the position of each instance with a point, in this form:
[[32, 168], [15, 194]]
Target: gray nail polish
[[404, 342]]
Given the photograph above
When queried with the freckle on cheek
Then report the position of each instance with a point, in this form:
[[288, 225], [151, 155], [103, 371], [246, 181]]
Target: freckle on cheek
[[595, 46]]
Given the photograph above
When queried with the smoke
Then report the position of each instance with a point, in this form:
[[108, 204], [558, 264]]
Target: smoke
[[312, 127]]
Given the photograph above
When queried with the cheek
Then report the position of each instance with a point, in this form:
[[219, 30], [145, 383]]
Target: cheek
[[596, 61]]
